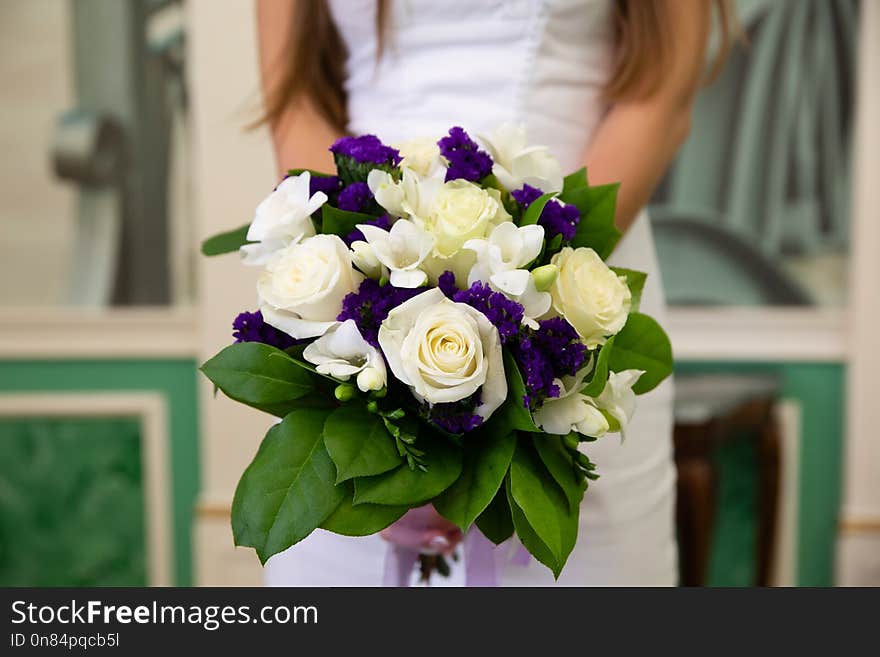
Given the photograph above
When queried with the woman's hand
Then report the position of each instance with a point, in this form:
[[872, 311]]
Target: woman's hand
[[424, 530]]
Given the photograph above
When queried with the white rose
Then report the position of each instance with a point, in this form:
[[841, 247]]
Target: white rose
[[302, 287], [445, 351], [517, 164], [587, 293], [342, 353], [281, 218], [421, 155]]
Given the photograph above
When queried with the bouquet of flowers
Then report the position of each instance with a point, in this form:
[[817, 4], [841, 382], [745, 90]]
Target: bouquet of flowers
[[436, 325]]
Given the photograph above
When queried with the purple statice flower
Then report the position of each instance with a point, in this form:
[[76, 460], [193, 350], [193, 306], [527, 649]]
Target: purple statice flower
[[465, 159], [327, 184], [556, 218], [383, 222], [366, 149], [250, 327], [502, 312], [446, 283], [371, 304], [456, 417], [355, 198], [526, 196], [552, 351]]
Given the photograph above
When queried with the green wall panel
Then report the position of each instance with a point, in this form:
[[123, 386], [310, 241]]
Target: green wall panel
[[174, 379], [819, 387], [71, 502]]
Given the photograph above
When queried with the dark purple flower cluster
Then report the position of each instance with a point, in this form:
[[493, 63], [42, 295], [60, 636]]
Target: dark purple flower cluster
[[327, 184], [250, 327], [382, 221], [552, 351], [465, 158], [371, 304], [446, 283], [556, 218], [355, 198], [366, 149], [504, 313], [457, 417]]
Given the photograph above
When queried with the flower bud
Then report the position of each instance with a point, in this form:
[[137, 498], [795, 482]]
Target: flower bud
[[545, 277], [370, 378], [344, 392]]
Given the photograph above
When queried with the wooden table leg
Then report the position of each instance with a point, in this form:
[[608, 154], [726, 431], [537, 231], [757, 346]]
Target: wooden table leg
[[769, 450]]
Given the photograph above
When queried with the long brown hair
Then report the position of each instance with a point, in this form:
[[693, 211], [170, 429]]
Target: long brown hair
[[316, 66]]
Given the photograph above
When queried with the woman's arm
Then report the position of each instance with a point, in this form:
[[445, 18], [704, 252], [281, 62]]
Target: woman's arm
[[300, 135], [638, 139]]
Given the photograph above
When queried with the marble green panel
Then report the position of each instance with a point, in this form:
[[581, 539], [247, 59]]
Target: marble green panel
[[174, 379], [71, 502]]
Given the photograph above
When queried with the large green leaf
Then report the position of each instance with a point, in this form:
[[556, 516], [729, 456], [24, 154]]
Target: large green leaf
[[528, 536], [495, 521], [350, 519], [599, 377], [515, 412], [635, 281], [542, 501], [231, 240], [596, 229], [533, 212], [289, 488], [486, 460], [572, 183], [561, 467], [341, 222], [359, 443], [407, 486], [642, 344], [258, 375]]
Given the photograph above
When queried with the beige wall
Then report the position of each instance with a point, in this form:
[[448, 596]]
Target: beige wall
[[234, 170]]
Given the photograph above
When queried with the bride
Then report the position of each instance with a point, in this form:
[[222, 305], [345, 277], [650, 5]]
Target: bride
[[604, 83]]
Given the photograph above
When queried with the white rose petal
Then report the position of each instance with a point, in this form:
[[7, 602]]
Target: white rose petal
[[589, 295], [402, 250], [302, 287], [517, 164], [342, 353], [444, 351], [281, 218]]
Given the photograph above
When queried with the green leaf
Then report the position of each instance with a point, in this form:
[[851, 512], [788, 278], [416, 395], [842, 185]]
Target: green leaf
[[288, 490], [318, 174], [596, 229], [358, 443], [341, 222], [573, 182], [486, 460], [404, 485], [542, 502], [515, 411], [528, 536], [561, 467], [642, 344], [258, 375], [351, 519], [600, 372], [231, 240], [533, 212], [635, 281], [495, 521]]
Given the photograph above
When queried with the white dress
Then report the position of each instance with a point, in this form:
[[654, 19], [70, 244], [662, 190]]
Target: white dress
[[477, 63]]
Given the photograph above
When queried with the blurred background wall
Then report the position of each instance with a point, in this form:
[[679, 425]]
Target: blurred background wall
[[124, 129]]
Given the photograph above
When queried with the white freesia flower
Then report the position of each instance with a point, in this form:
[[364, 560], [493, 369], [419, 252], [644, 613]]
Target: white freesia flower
[[445, 351], [411, 197], [589, 295], [342, 353], [363, 257], [501, 259], [402, 250], [575, 411], [302, 287], [422, 155], [517, 164], [281, 218]]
